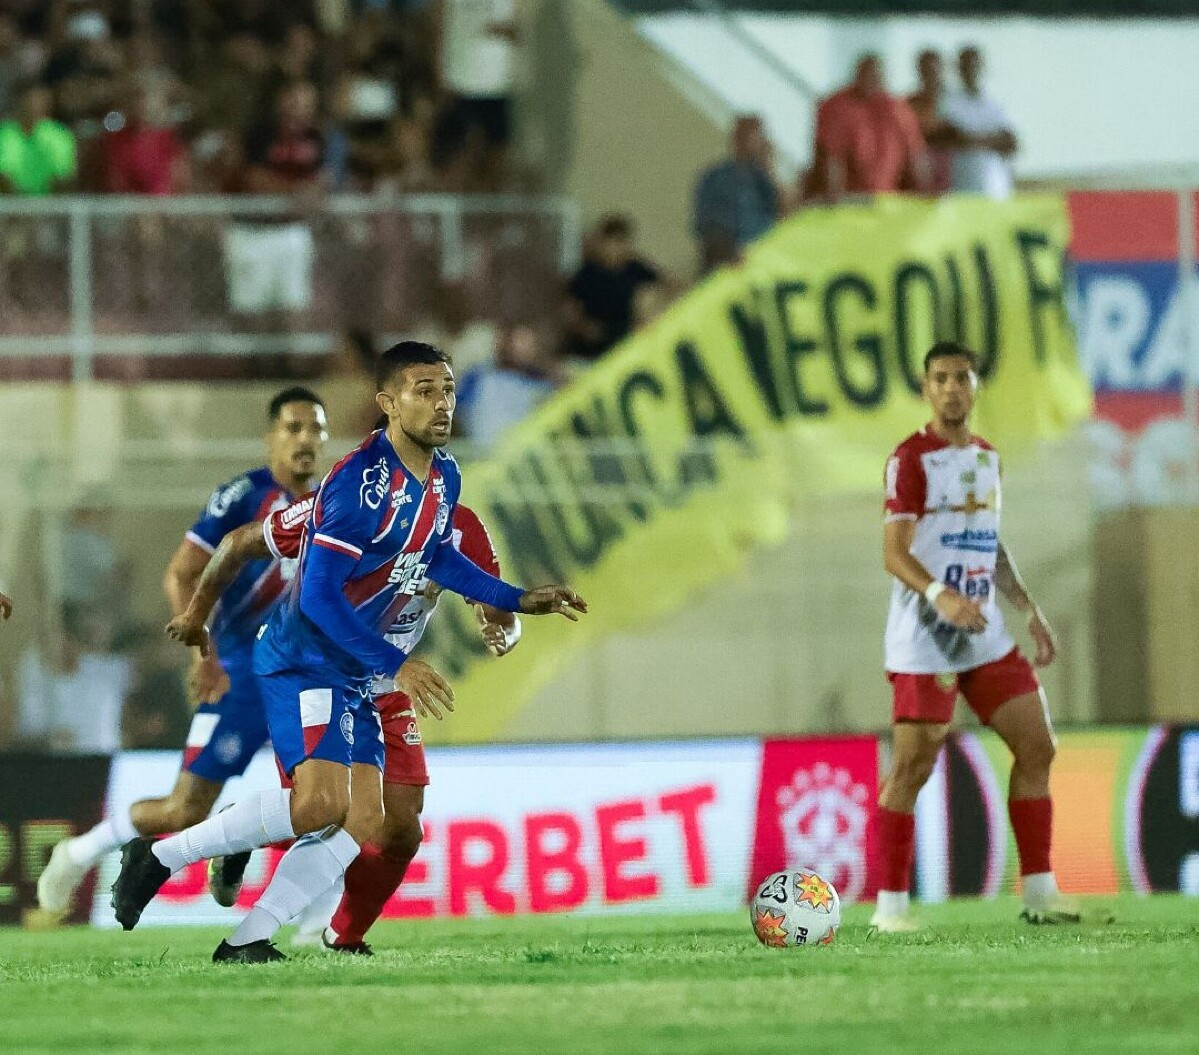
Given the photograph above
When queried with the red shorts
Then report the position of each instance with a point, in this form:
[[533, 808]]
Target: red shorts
[[930, 697], [404, 750]]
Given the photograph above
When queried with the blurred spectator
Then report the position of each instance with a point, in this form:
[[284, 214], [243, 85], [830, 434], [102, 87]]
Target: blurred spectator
[[10, 73], [494, 397], [149, 72], [156, 714], [348, 384], [71, 699], [478, 66], [469, 342], [926, 103], [601, 295], [85, 71], [736, 200], [867, 141], [270, 262], [234, 85], [37, 154], [141, 154], [95, 588], [981, 134]]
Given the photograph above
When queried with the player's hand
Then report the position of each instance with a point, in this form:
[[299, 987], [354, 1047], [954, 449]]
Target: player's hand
[[190, 631], [5, 606], [958, 610], [1043, 637], [207, 681], [495, 637], [428, 690], [552, 600]]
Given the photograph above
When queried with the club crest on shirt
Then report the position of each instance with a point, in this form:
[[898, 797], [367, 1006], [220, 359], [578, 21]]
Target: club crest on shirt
[[347, 727], [443, 517]]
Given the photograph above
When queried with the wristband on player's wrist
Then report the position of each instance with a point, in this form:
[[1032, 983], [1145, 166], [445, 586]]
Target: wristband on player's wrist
[[934, 590]]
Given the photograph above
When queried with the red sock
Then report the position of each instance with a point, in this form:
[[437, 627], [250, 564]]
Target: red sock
[[370, 882], [1032, 822], [897, 848]]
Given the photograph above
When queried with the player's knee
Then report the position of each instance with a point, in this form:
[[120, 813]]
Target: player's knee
[[402, 835], [183, 813], [318, 808], [913, 773], [1036, 755]]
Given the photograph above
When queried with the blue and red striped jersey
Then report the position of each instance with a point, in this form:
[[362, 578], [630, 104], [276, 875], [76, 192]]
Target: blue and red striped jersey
[[371, 508], [248, 600]]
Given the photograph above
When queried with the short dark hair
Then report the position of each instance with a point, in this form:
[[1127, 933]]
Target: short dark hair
[[295, 394], [405, 354], [945, 349]]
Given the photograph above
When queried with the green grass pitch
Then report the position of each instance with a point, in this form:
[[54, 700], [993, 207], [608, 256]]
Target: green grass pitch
[[975, 981]]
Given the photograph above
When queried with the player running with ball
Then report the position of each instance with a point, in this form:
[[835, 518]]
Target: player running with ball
[[381, 524], [945, 636]]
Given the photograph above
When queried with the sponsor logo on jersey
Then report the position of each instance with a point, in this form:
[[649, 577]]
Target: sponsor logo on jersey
[[400, 498], [295, 514], [409, 569], [412, 735], [443, 517], [376, 479], [972, 541], [347, 727]]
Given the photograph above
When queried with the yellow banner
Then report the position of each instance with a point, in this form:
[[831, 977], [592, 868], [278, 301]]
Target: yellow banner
[[792, 376]]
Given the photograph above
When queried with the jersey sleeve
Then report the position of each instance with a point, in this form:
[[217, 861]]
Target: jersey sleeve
[[905, 486], [343, 516], [227, 509], [283, 530], [473, 540]]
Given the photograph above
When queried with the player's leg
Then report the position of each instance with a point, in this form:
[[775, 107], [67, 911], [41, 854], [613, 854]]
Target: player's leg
[[308, 728], [317, 862], [197, 787], [1023, 723], [915, 746], [381, 866]]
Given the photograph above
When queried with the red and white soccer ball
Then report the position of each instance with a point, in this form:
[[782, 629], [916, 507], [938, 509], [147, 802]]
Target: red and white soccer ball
[[798, 908]]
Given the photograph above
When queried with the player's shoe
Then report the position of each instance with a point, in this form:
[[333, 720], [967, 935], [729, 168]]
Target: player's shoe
[[141, 877], [225, 875], [253, 952], [887, 924], [58, 883], [1053, 914], [353, 948]]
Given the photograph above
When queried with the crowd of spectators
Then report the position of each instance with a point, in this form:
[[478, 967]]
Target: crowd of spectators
[[164, 96], [868, 140]]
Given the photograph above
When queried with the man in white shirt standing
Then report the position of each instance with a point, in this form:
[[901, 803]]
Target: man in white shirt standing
[[982, 140], [478, 66]]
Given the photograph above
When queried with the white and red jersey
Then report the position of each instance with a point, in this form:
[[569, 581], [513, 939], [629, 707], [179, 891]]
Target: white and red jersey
[[954, 495], [284, 531]]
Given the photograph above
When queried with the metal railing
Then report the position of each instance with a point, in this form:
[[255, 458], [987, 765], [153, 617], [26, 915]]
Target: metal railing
[[113, 276]]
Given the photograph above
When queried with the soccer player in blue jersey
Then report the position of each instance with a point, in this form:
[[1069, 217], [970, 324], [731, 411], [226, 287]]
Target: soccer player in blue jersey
[[381, 524], [229, 725]]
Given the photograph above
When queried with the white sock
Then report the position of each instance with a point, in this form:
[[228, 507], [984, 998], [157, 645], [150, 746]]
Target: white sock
[[110, 834], [256, 821], [1040, 889], [893, 903], [317, 916], [307, 871]]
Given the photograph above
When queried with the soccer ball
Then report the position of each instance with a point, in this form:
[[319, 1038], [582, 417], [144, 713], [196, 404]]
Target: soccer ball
[[795, 908]]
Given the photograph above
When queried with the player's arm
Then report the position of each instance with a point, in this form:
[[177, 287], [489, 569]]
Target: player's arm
[[5, 606], [457, 573], [207, 680], [1009, 583], [955, 608], [240, 546]]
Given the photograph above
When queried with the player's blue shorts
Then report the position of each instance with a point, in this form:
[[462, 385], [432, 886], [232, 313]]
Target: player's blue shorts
[[225, 735], [309, 717]]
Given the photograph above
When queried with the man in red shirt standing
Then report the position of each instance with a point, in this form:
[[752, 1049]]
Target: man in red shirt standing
[[144, 155], [867, 140]]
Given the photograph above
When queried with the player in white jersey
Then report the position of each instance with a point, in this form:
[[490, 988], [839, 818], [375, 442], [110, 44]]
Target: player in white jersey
[[946, 635]]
